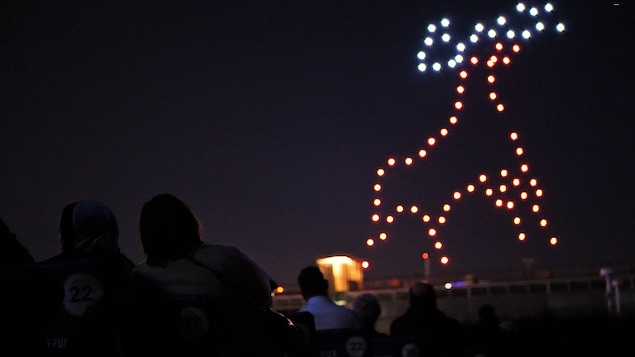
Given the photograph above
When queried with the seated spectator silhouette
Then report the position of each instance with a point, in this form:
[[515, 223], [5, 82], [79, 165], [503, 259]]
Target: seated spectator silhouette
[[487, 338], [93, 274], [440, 334], [368, 309], [327, 314], [28, 297], [228, 291], [306, 341], [11, 250]]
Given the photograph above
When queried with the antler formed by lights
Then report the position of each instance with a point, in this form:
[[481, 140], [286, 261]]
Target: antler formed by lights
[[508, 187]]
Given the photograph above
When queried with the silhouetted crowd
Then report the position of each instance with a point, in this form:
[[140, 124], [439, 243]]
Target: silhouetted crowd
[[193, 298]]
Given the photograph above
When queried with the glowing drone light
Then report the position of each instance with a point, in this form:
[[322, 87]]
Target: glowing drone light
[[504, 26], [513, 183]]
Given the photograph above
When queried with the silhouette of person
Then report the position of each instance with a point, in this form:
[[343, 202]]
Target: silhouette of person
[[327, 314], [28, 297], [179, 264], [11, 250], [368, 309], [488, 338], [440, 334], [94, 274]]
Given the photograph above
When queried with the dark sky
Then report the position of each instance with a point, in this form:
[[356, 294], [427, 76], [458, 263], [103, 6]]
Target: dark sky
[[269, 118]]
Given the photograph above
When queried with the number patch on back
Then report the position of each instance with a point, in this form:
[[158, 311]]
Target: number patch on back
[[192, 323], [356, 346], [81, 293]]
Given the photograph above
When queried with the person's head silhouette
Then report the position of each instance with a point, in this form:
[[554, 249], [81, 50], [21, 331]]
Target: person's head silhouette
[[168, 229], [423, 295], [312, 282], [88, 227]]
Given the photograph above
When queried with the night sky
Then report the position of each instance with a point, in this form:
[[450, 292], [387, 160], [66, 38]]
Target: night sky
[[270, 118]]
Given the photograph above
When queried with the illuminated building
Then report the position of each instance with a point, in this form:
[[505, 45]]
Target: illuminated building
[[343, 273]]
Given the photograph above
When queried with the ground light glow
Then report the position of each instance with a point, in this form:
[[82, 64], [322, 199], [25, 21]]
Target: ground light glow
[[502, 39]]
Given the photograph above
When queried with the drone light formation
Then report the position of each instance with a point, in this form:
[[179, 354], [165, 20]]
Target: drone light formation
[[532, 21], [502, 40]]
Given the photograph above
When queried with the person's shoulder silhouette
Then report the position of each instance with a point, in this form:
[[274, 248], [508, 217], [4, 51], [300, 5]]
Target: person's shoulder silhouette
[[11, 250], [28, 297]]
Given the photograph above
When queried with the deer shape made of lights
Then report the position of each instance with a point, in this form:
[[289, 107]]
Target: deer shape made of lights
[[510, 186]]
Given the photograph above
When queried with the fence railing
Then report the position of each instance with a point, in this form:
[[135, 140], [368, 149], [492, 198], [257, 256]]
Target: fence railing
[[512, 298]]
